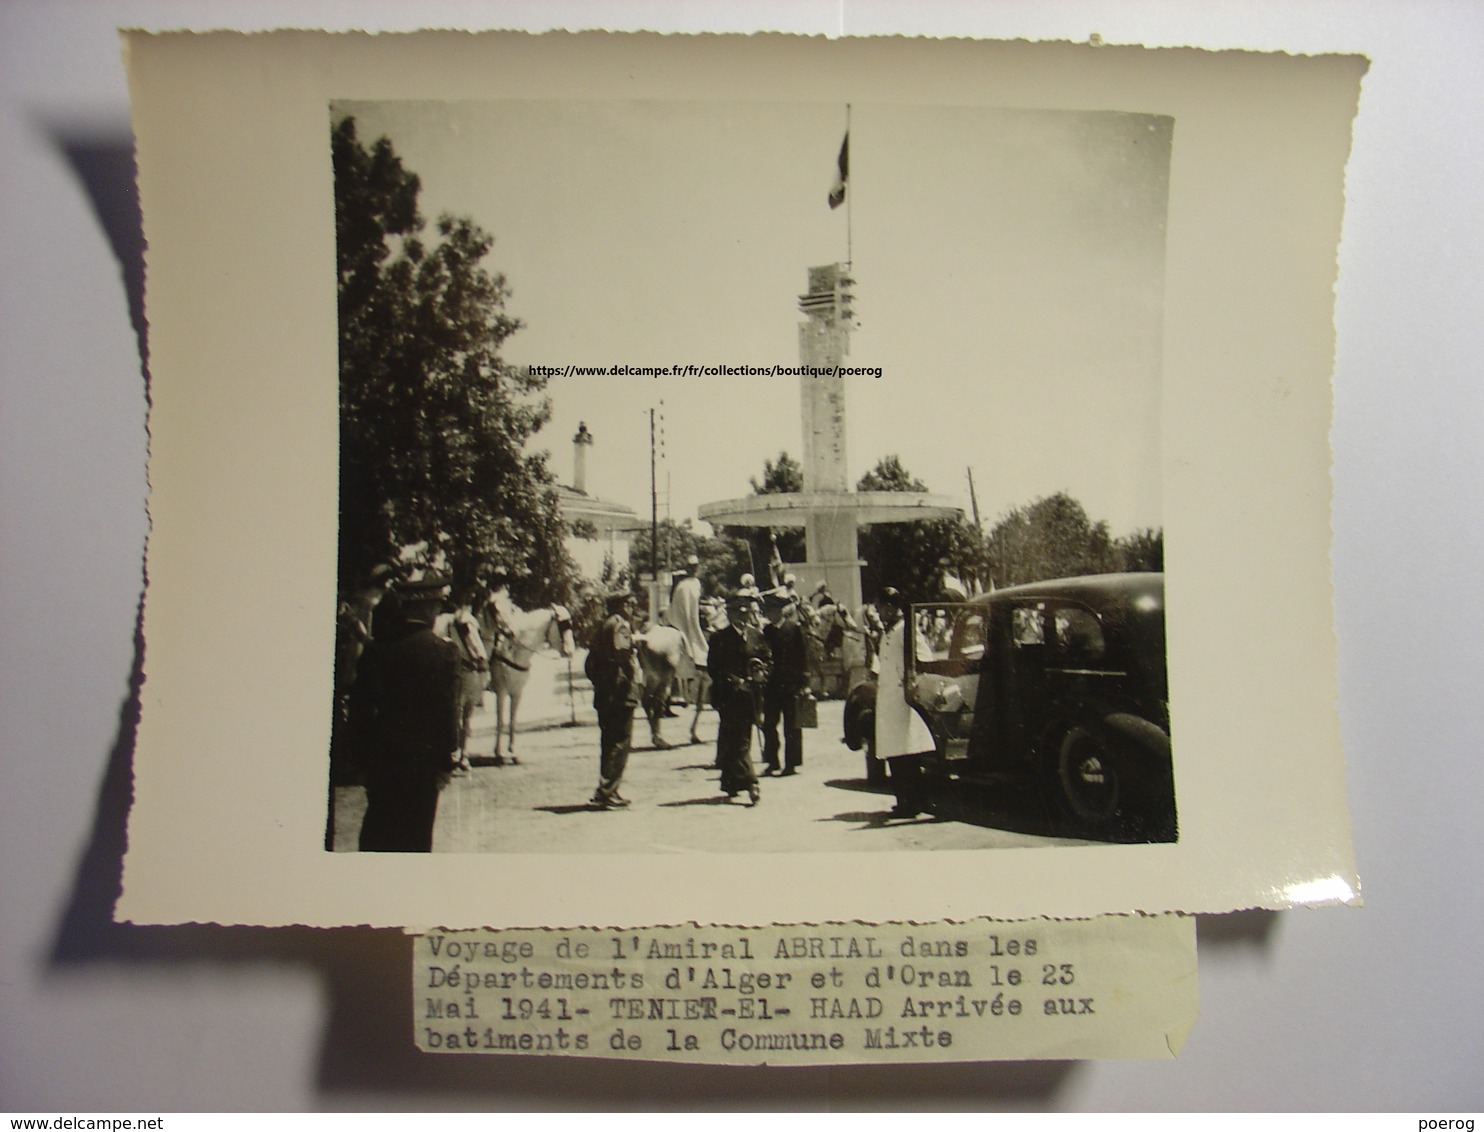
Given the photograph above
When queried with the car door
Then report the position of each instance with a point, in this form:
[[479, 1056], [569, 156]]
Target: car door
[[1022, 643], [945, 659], [1082, 680]]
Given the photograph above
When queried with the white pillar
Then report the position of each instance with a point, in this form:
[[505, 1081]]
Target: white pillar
[[580, 444], [824, 341]]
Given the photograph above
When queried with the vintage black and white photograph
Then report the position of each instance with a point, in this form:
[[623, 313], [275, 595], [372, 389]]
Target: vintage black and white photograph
[[589, 431], [750, 477]]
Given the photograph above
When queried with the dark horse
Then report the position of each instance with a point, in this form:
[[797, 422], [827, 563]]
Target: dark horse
[[835, 646]]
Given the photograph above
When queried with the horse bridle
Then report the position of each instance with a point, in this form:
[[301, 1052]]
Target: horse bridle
[[563, 624]]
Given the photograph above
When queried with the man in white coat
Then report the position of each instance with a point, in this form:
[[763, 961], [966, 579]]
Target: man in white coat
[[901, 735]]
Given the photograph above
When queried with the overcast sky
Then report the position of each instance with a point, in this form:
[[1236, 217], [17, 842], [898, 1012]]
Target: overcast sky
[[1009, 269]]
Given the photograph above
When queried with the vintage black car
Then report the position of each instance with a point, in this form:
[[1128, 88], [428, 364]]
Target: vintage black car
[[1061, 684]]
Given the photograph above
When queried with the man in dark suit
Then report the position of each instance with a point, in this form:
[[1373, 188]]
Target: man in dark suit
[[405, 718], [353, 620], [612, 666], [787, 679], [738, 657]]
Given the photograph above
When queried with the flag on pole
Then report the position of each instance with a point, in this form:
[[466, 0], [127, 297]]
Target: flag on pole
[[837, 190], [775, 560]]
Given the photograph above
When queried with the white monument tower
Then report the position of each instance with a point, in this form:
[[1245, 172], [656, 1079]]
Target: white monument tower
[[827, 509]]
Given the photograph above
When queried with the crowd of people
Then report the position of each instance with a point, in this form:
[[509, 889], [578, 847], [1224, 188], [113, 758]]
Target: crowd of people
[[757, 659], [755, 668], [413, 662]]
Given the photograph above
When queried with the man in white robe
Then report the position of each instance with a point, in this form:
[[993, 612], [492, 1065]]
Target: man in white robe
[[901, 734], [685, 612]]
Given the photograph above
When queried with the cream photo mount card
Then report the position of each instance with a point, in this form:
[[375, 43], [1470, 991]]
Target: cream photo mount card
[[1161, 353]]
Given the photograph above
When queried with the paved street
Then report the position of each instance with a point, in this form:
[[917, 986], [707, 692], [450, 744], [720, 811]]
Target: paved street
[[541, 805]]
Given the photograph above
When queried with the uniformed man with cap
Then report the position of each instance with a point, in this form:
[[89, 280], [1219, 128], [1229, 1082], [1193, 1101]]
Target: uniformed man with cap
[[613, 667], [404, 716], [788, 678], [739, 661]]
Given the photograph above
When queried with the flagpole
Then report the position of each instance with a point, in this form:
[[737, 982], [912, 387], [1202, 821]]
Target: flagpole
[[849, 232]]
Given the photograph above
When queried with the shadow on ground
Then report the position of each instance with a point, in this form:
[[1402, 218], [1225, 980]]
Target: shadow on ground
[[709, 800]]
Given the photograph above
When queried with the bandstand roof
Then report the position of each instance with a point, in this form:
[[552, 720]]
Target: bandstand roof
[[791, 509]]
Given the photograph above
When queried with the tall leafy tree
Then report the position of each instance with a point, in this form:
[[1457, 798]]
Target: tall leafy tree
[[1049, 538], [913, 557], [780, 477], [784, 476], [433, 422], [723, 559], [890, 475], [1143, 550]]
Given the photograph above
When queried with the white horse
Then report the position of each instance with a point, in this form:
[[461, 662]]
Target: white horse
[[510, 664], [665, 655]]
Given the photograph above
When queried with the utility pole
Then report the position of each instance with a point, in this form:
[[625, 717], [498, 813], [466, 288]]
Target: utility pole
[[664, 456], [974, 500], [654, 522]]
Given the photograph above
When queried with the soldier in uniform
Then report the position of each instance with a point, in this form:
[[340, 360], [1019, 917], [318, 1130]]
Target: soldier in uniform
[[613, 668], [788, 676], [404, 714], [739, 665]]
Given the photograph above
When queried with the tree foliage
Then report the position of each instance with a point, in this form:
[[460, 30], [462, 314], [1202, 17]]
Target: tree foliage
[[784, 476], [1051, 537], [1054, 538], [780, 477], [890, 475], [913, 557], [723, 559], [433, 422], [1143, 550]]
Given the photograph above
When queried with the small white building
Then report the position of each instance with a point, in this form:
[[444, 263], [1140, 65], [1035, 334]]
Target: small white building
[[606, 527]]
